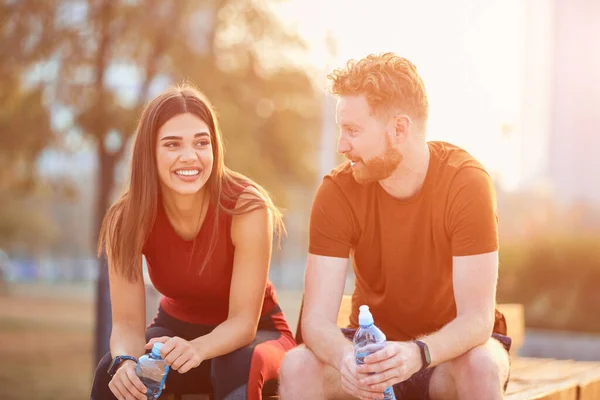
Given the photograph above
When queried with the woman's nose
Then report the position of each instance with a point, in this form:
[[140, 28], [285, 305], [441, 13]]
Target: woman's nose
[[188, 154]]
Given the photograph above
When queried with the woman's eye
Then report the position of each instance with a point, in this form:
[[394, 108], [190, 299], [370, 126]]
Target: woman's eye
[[203, 143]]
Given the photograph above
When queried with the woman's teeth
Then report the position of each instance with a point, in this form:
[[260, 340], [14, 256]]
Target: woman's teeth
[[187, 172]]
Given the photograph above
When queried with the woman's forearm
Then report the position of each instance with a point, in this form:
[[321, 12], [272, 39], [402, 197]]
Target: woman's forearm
[[127, 339], [227, 337]]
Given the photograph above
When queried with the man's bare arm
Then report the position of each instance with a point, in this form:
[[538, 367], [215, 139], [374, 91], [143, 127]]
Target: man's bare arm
[[474, 280], [324, 287]]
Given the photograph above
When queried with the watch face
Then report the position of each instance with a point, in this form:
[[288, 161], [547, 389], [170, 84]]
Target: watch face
[[427, 356], [424, 353]]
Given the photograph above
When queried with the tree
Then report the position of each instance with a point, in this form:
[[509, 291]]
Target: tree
[[25, 128], [112, 55]]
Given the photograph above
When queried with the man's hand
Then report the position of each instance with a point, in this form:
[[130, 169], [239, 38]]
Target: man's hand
[[351, 379], [393, 364], [178, 353]]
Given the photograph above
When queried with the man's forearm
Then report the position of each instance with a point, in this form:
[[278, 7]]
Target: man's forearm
[[326, 341], [456, 338]]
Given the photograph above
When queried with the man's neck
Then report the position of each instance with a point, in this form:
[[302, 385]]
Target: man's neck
[[408, 179]]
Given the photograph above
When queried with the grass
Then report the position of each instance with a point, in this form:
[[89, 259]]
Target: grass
[[46, 348], [47, 338]]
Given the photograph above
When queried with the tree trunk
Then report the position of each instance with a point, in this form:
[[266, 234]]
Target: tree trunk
[[104, 182], [106, 164]]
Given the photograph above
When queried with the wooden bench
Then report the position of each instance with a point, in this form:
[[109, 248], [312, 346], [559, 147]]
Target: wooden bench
[[531, 378]]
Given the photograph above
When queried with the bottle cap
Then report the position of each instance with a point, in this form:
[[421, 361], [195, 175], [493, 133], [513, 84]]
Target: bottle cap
[[365, 318], [156, 349]]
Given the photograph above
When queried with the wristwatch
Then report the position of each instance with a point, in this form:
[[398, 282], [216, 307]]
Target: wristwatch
[[425, 357], [116, 362]]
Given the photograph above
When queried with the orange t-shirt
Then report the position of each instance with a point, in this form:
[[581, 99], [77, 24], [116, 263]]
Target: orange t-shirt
[[402, 250]]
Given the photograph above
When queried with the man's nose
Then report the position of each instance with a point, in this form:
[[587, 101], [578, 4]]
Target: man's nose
[[343, 145]]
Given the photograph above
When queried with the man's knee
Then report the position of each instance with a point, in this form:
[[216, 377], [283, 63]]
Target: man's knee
[[296, 364], [483, 363], [302, 375]]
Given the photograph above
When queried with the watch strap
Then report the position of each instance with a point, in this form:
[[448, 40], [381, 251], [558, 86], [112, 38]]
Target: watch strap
[[114, 365], [425, 357]]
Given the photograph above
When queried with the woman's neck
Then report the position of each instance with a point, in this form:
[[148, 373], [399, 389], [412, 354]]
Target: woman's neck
[[184, 208]]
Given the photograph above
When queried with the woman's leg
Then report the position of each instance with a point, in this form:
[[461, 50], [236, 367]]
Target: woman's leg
[[196, 380], [244, 373], [100, 390]]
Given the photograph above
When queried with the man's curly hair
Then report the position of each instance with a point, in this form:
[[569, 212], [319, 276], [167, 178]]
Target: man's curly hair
[[389, 82]]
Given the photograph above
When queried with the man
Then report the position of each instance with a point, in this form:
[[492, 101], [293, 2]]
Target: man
[[419, 220]]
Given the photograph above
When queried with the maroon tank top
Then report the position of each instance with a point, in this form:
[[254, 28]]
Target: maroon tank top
[[174, 269]]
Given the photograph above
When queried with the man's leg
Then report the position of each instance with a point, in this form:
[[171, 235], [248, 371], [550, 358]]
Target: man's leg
[[478, 374], [303, 376]]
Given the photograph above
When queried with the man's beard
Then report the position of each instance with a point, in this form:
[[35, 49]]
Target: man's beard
[[378, 168]]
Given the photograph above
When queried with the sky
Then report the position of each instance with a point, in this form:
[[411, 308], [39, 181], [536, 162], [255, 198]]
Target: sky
[[470, 54]]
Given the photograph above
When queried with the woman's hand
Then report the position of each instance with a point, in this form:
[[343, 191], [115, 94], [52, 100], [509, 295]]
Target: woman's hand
[[125, 384], [178, 353]]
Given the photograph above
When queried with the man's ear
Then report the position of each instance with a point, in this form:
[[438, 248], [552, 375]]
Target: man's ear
[[402, 125]]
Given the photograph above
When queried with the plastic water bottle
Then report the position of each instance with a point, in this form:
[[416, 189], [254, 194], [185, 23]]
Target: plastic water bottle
[[367, 340], [152, 371]]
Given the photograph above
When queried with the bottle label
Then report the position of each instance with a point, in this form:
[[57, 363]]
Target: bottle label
[[363, 351]]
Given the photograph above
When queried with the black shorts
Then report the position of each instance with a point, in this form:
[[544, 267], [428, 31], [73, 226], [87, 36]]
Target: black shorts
[[417, 386]]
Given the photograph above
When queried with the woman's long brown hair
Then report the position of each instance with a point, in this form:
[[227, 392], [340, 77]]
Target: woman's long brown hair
[[128, 221]]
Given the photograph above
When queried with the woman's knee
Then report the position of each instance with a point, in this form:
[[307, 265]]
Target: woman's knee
[[236, 362], [253, 368]]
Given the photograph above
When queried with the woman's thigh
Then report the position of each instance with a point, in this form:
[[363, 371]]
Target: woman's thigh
[[253, 369]]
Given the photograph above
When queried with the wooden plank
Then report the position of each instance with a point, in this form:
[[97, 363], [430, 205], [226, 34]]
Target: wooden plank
[[590, 390], [520, 363], [532, 390], [554, 379], [540, 379], [589, 381], [550, 372]]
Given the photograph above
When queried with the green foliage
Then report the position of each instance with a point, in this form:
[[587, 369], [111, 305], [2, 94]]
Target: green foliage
[[556, 278], [25, 128], [231, 49]]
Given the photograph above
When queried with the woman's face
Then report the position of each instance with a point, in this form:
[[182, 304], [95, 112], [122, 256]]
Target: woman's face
[[184, 154]]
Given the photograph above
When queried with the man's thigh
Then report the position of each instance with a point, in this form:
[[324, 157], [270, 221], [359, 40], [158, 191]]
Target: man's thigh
[[442, 384]]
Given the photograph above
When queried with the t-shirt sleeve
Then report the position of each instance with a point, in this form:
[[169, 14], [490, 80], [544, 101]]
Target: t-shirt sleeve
[[331, 222], [472, 214]]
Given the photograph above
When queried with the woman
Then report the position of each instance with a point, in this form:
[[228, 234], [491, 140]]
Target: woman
[[206, 234]]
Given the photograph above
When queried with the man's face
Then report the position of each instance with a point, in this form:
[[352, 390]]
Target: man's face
[[365, 140]]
